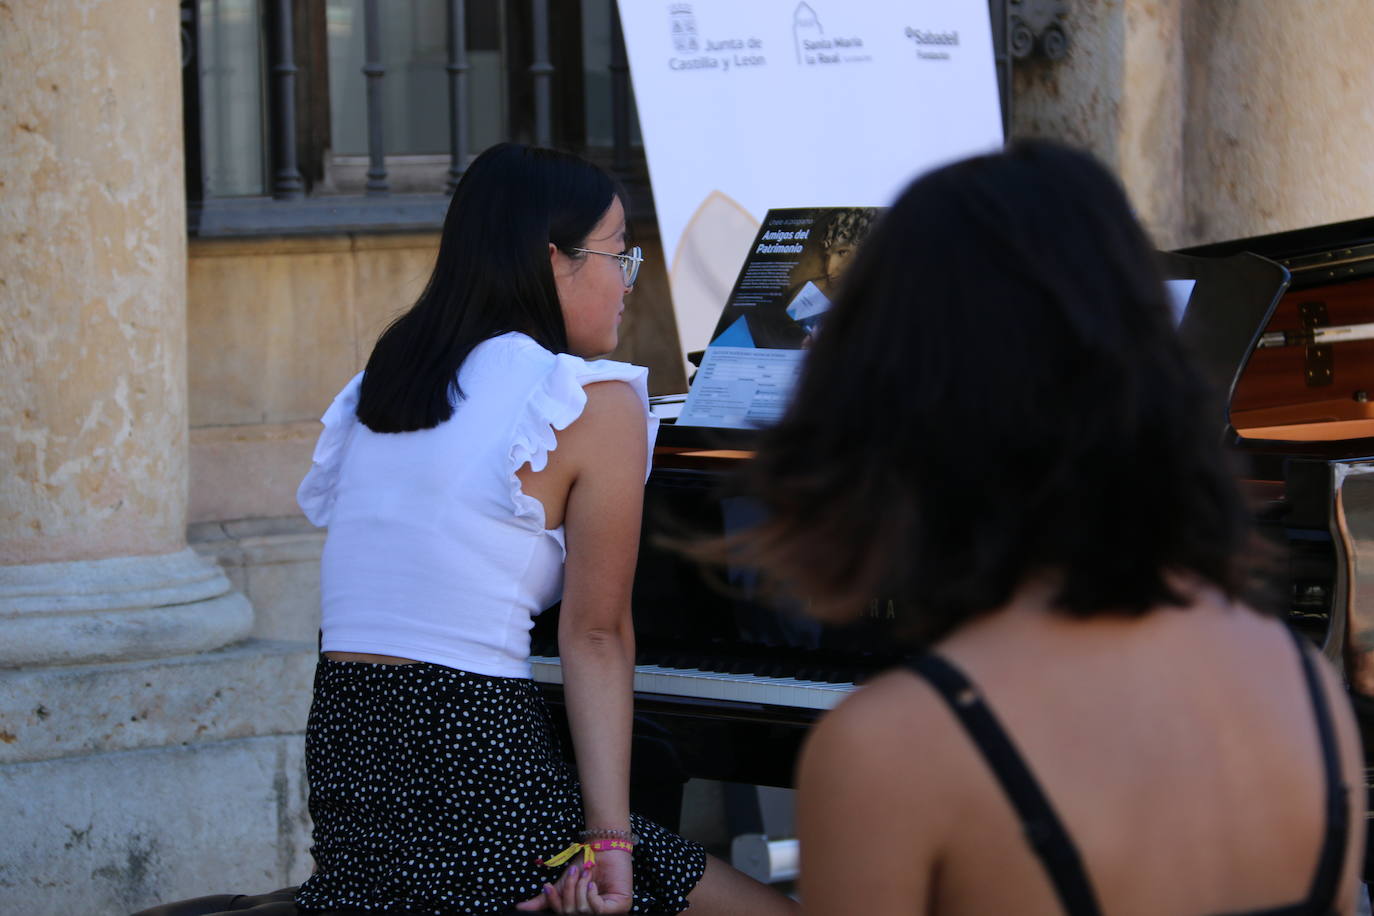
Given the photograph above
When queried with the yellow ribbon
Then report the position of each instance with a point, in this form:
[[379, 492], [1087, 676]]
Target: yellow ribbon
[[588, 855]]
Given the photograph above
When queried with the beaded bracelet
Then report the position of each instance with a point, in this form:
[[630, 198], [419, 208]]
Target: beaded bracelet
[[608, 845], [627, 836], [589, 843]]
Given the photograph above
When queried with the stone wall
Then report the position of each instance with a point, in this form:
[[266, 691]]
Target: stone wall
[[277, 326], [1279, 116], [1224, 118]]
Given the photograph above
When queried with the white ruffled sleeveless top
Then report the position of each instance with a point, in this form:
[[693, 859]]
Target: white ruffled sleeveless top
[[434, 552]]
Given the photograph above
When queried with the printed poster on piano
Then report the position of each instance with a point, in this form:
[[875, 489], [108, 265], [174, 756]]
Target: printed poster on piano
[[744, 105], [777, 308]]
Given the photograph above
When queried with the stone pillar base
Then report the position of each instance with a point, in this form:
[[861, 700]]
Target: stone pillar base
[[128, 784], [111, 834], [120, 608]]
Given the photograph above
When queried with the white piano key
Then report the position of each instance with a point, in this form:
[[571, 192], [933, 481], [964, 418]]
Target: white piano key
[[716, 685]]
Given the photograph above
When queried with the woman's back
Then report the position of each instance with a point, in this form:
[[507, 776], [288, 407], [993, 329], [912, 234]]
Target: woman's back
[[1058, 519], [1179, 750], [435, 552]]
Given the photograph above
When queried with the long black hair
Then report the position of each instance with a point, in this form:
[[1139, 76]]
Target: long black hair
[[492, 275], [999, 392]]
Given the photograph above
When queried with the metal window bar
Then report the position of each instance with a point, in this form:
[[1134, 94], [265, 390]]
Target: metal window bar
[[287, 183], [542, 70], [620, 94], [1000, 14], [374, 71], [190, 101], [457, 92], [218, 214], [220, 179]]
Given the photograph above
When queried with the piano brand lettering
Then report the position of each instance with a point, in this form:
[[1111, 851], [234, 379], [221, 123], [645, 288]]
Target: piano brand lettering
[[877, 611]]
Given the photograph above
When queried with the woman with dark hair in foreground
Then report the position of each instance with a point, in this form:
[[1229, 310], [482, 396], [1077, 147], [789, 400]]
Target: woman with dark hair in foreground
[[999, 429]]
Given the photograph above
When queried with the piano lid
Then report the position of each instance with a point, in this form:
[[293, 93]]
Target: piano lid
[[1305, 383], [1230, 304]]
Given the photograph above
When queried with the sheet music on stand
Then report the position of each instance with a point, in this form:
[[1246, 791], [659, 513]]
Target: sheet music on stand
[[777, 307]]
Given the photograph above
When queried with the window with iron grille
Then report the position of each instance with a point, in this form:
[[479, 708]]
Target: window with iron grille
[[306, 116], [340, 115]]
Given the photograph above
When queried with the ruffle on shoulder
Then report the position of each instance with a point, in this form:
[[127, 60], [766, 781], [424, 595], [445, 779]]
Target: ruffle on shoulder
[[555, 403], [316, 492]]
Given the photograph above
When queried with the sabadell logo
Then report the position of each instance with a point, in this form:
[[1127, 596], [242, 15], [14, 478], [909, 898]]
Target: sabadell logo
[[922, 37]]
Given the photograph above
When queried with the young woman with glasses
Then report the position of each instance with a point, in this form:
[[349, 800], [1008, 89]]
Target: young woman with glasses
[[481, 468]]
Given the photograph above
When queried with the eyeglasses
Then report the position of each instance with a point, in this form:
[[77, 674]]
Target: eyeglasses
[[629, 262]]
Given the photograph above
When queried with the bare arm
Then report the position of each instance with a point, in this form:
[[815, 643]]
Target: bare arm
[[606, 447], [868, 814]]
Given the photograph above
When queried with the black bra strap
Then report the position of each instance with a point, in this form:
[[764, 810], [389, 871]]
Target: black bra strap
[[1327, 879], [1044, 832]]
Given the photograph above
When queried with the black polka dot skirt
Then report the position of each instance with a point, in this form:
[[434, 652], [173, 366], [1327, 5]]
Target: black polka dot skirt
[[435, 790]]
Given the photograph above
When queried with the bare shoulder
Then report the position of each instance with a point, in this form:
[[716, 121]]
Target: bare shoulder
[[883, 702], [612, 402], [893, 729], [878, 800], [610, 427]]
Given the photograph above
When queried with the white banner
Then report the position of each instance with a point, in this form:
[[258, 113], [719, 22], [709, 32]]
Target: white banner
[[746, 105]]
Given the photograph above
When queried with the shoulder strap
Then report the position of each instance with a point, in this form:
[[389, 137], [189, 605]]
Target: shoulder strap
[[1043, 829], [1327, 879]]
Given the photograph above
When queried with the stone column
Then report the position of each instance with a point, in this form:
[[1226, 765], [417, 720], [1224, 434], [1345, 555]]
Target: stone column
[[1224, 118], [93, 558], [1280, 120], [1120, 94], [146, 750]]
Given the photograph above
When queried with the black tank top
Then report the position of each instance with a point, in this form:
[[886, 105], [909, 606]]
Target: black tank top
[[1052, 844]]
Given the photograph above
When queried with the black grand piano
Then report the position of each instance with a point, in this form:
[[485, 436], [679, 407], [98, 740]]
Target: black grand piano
[[727, 682]]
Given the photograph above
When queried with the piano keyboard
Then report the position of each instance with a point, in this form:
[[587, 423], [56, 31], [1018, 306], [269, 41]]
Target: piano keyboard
[[714, 685]]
